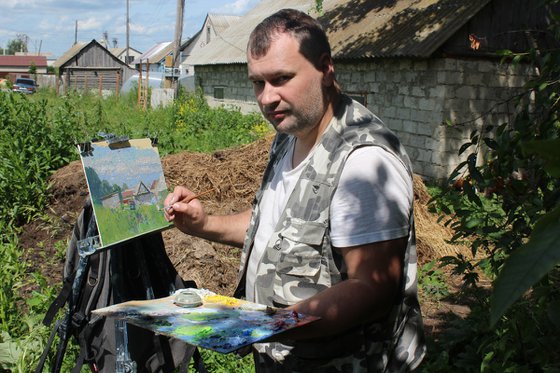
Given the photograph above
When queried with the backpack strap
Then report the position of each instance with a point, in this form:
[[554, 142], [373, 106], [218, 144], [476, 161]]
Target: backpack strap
[[45, 353], [85, 249], [59, 302], [92, 291]]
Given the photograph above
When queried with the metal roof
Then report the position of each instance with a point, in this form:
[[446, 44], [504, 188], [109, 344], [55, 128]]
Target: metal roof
[[23, 61], [356, 28], [229, 46], [155, 53], [221, 22], [117, 52], [398, 28]]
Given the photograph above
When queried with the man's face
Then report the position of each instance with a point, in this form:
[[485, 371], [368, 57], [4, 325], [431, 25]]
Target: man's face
[[288, 88]]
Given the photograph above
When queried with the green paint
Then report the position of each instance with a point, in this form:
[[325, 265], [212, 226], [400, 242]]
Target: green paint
[[199, 331], [206, 316], [260, 333]]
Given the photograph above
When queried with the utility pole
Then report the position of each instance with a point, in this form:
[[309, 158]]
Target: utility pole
[[127, 32], [177, 41]]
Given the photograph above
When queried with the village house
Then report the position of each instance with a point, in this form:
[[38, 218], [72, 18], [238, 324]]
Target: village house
[[91, 66], [417, 65], [213, 27], [12, 67], [120, 53], [154, 58], [137, 195]]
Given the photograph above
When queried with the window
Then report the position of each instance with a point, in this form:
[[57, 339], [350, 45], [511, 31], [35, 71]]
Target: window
[[219, 93], [208, 34]]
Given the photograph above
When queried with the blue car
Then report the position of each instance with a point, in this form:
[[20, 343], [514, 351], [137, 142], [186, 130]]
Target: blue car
[[24, 85]]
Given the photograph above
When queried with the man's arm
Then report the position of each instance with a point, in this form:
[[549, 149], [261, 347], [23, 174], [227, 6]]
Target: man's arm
[[374, 279], [191, 218]]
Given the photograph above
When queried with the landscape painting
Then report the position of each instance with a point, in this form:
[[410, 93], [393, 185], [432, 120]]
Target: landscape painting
[[219, 323], [127, 188]]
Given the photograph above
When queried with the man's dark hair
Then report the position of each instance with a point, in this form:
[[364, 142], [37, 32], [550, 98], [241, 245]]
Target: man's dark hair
[[304, 28]]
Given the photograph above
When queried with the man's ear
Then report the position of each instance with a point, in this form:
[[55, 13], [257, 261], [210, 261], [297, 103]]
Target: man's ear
[[327, 67]]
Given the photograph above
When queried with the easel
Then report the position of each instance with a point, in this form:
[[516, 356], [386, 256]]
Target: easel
[[97, 273], [86, 248]]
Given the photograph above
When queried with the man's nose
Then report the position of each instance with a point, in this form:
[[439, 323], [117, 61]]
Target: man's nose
[[269, 94]]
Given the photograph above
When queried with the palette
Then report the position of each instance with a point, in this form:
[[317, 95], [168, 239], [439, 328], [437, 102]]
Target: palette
[[220, 323]]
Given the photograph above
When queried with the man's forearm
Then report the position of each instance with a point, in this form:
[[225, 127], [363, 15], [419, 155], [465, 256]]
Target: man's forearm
[[227, 229], [341, 307]]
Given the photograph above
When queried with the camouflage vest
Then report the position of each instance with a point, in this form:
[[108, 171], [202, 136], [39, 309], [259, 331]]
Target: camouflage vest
[[299, 262]]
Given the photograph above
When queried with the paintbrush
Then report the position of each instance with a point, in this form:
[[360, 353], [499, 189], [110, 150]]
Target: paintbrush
[[190, 198]]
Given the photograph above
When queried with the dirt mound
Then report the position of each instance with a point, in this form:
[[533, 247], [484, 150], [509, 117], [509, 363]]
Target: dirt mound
[[234, 174]]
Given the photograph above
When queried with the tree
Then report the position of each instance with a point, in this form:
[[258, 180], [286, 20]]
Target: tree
[[33, 70], [19, 44], [513, 228]]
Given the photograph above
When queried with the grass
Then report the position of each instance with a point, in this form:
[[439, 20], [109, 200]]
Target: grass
[[38, 134]]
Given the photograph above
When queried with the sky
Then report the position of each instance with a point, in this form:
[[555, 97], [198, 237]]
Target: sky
[[50, 24]]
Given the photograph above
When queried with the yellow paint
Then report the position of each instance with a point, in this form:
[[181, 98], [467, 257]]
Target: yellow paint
[[227, 301]]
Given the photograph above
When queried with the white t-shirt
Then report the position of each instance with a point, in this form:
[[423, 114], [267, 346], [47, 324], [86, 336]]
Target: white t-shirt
[[372, 203]]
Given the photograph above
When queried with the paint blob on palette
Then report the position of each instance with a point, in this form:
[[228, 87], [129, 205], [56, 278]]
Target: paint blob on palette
[[217, 322]]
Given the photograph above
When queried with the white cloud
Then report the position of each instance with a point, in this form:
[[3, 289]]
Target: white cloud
[[90, 23], [237, 7]]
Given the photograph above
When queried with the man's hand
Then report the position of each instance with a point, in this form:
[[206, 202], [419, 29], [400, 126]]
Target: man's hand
[[189, 217]]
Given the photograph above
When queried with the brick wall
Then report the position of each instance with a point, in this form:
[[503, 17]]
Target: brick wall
[[413, 97]]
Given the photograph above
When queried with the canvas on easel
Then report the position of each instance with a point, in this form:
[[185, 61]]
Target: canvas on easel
[[127, 188]]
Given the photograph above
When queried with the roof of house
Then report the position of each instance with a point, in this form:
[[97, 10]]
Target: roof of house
[[395, 29], [78, 48], [74, 50], [23, 61], [221, 22], [156, 53], [120, 51], [356, 29], [229, 45]]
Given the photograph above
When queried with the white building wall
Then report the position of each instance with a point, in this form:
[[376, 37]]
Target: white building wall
[[415, 98]]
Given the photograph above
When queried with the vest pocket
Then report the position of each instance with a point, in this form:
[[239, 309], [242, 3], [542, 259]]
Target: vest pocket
[[300, 263]]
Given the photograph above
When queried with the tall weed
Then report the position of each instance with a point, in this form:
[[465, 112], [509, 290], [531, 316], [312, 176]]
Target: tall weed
[[38, 134]]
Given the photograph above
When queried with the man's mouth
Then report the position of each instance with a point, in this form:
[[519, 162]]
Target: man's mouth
[[276, 115]]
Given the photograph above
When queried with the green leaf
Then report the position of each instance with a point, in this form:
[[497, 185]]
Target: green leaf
[[527, 265], [549, 151], [491, 143], [465, 147], [473, 222], [543, 86]]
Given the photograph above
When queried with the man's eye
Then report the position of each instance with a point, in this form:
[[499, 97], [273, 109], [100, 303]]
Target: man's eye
[[281, 79], [258, 83]]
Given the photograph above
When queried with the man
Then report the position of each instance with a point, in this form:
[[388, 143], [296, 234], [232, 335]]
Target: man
[[331, 231]]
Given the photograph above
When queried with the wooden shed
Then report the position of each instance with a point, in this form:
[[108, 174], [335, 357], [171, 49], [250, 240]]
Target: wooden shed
[[91, 66]]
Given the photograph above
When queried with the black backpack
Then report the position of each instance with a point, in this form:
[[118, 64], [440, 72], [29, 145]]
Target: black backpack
[[134, 270]]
